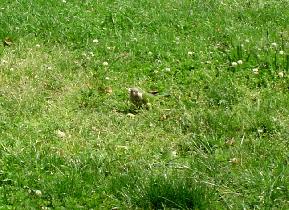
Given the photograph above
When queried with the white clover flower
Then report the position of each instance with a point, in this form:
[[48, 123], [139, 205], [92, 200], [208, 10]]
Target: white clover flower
[[260, 130], [240, 62], [255, 70], [4, 61], [177, 40], [274, 44], [281, 52], [281, 74], [38, 192], [60, 134], [130, 115], [109, 48], [234, 64], [190, 53], [95, 41], [167, 69], [234, 160], [105, 63], [174, 153]]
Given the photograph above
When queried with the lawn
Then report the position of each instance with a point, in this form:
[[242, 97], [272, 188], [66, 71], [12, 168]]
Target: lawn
[[214, 137]]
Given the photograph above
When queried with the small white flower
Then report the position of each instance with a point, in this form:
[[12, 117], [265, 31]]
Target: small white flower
[[4, 61], [150, 53], [167, 69], [95, 41], [64, 1], [107, 78], [240, 62], [177, 40], [174, 153], [60, 134], [130, 115], [281, 52], [105, 63], [234, 160], [234, 64], [38, 45], [255, 71], [274, 44], [190, 53], [38, 192], [281, 74], [110, 48], [260, 130]]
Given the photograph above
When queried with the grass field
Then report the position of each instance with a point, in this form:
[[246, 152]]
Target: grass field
[[216, 135]]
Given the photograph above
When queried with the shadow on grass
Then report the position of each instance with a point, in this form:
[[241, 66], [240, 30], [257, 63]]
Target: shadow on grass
[[173, 193], [162, 192], [131, 110]]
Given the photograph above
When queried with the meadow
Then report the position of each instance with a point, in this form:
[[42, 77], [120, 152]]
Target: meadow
[[215, 136]]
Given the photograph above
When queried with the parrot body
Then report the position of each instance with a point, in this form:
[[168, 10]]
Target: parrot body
[[138, 97]]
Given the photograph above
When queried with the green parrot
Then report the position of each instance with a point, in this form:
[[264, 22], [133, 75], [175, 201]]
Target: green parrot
[[139, 98]]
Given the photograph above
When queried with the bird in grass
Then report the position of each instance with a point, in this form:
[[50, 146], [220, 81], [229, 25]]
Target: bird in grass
[[138, 97]]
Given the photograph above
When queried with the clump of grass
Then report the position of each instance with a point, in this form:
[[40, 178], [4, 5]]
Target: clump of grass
[[163, 192], [175, 192]]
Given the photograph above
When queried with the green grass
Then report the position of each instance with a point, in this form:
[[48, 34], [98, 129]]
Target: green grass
[[216, 137]]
